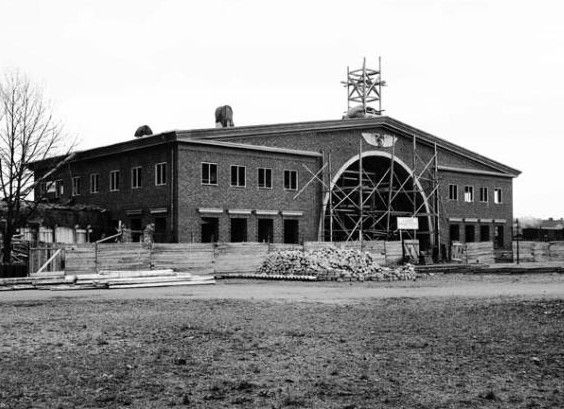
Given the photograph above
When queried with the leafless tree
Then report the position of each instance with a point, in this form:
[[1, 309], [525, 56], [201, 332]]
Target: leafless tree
[[28, 133]]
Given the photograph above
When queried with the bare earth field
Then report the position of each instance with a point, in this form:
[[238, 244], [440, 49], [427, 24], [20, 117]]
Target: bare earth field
[[444, 341]]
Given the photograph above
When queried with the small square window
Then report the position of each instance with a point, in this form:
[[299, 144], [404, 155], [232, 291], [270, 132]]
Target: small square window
[[94, 183], [484, 194], [238, 174], [497, 196], [76, 186], [160, 174], [290, 180], [209, 173], [136, 177], [453, 192], [264, 178], [468, 193], [114, 180]]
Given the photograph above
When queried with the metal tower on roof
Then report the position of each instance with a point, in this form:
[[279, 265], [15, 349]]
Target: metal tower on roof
[[364, 86]]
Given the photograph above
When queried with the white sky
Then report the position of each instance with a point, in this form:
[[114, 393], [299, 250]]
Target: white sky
[[487, 75]]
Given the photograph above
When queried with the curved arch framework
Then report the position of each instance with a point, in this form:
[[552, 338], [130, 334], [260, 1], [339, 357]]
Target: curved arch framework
[[388, 190]]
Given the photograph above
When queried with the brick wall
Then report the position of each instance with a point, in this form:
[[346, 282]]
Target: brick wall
[[193, 195], [144, 199]]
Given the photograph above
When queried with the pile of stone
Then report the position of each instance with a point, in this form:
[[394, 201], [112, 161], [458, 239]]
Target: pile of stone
[[332, 264]]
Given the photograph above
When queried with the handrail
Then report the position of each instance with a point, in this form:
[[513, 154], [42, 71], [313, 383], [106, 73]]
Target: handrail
[[108, 238], [48, 261]]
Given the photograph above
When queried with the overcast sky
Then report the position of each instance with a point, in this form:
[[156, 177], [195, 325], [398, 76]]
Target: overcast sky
[[487, 75]]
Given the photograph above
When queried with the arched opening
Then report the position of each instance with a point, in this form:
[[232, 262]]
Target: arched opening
[[388, 190]]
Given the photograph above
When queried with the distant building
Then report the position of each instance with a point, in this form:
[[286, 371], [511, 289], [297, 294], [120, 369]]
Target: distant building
[[324, 180], [545, 230]]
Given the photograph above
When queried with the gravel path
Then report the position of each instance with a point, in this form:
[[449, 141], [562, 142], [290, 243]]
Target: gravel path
[[527, 286]]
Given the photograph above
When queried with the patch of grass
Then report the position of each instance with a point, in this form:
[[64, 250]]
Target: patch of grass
[[204, 353]]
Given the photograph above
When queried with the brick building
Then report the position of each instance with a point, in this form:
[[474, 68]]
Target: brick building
[[292, 182]]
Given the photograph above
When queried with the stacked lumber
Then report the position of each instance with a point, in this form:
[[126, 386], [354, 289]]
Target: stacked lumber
[[239, 257], [333, 264], [139, 279], [58, 281]]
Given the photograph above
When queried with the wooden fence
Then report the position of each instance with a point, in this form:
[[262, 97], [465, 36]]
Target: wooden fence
[[536, 251], [201, 258]]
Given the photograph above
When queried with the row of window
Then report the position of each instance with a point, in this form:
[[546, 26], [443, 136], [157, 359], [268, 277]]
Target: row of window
[[239, 232], [469, 194], [57, 186], [239, 176]]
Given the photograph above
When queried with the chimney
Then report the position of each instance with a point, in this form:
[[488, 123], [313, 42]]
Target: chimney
[[142, 131], [224, 117]]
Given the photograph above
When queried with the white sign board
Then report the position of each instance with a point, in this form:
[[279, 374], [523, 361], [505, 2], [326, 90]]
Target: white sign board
[[408, 223]]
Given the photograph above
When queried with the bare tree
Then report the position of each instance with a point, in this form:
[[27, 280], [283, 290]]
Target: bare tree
[[28, 133]]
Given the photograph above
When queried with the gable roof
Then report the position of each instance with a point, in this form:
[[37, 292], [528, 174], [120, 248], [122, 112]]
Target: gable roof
[[344, 125], [226, 137]]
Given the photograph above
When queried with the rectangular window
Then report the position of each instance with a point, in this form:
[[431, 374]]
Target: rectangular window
[[114, 180], [59, 188], [468, 193], [290, 180], [76, 186], [497, 196], [50, 187], [453, 192], [484, 194], [94, 183], [160, 174], [209, 173], [136, 177], [265, 178], [237, 176]]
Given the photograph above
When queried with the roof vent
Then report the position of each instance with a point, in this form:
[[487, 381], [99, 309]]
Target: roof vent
[[143, 131], [224, 117]]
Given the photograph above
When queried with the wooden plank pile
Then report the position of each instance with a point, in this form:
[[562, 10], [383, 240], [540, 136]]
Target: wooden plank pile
[[332, 264], [58, 281]]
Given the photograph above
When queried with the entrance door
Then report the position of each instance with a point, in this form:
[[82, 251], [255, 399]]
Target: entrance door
[[210, 229], [238, 230], [291, 231], [136, 229], [160, 230], [265, 230], [498, 238]]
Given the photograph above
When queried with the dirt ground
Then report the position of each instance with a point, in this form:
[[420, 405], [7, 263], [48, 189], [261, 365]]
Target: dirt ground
[[439, 342]]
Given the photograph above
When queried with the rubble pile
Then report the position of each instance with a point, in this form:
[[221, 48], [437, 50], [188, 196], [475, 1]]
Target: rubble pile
[[332, 264]]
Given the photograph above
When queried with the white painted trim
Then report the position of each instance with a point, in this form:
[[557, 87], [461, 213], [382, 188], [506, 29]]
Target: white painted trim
[[213, 210], [475, 171], [239, 211], [455, 219], [470, 220], [291, 213], [365, 154], [158, 210], [266, 212], [486, 220], [500, 221]]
